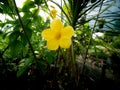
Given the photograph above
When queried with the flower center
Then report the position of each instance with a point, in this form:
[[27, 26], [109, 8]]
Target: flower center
[[58, 36]]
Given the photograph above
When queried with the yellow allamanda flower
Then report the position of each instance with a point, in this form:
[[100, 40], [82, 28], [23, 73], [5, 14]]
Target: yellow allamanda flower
[[53, 13], [58, 35]]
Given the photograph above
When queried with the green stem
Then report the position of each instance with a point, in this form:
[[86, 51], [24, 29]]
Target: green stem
[[25, 33], [90, 40]]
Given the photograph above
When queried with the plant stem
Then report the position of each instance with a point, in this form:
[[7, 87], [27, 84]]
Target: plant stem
[[25, 33], [92, 31], [72, 53]]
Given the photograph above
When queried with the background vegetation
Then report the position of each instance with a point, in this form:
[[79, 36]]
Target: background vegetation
[[91, 63]]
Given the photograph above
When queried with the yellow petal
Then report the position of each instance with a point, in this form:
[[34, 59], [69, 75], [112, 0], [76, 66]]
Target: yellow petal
[[65, 43], [47, 34], [52, 44], [67, 32], [56, 25], [53, 13]]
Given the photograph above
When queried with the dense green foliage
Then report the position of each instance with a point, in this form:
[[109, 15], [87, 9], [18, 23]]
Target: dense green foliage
[[88, 64]]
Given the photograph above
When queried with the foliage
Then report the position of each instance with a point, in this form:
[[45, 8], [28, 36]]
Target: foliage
[[24, 55]]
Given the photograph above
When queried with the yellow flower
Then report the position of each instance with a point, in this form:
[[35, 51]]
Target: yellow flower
[[53, 13], [58, 35]]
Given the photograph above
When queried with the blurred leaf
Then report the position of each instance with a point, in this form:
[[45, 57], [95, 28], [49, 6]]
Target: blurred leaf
[[43, 66], [28, 31], [23, 39], [5, 9], [16, 48], [92, 1], [13, 36], [27, 5], [4, 1], [39, 2], [78, 32], [50, 56], [24, 65]]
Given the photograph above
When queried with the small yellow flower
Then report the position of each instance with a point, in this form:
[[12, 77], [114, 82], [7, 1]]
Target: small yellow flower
[[53, 13], [58, 35]]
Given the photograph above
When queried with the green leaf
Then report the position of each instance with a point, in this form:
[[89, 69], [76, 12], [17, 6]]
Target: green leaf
[[43, 66], [23, 39], [27, 5], [5, 9], [4, 1], [24, 65], [16, 49], [39, 2], [13, 36], [92, 1], [28, 31], [50, 56]]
